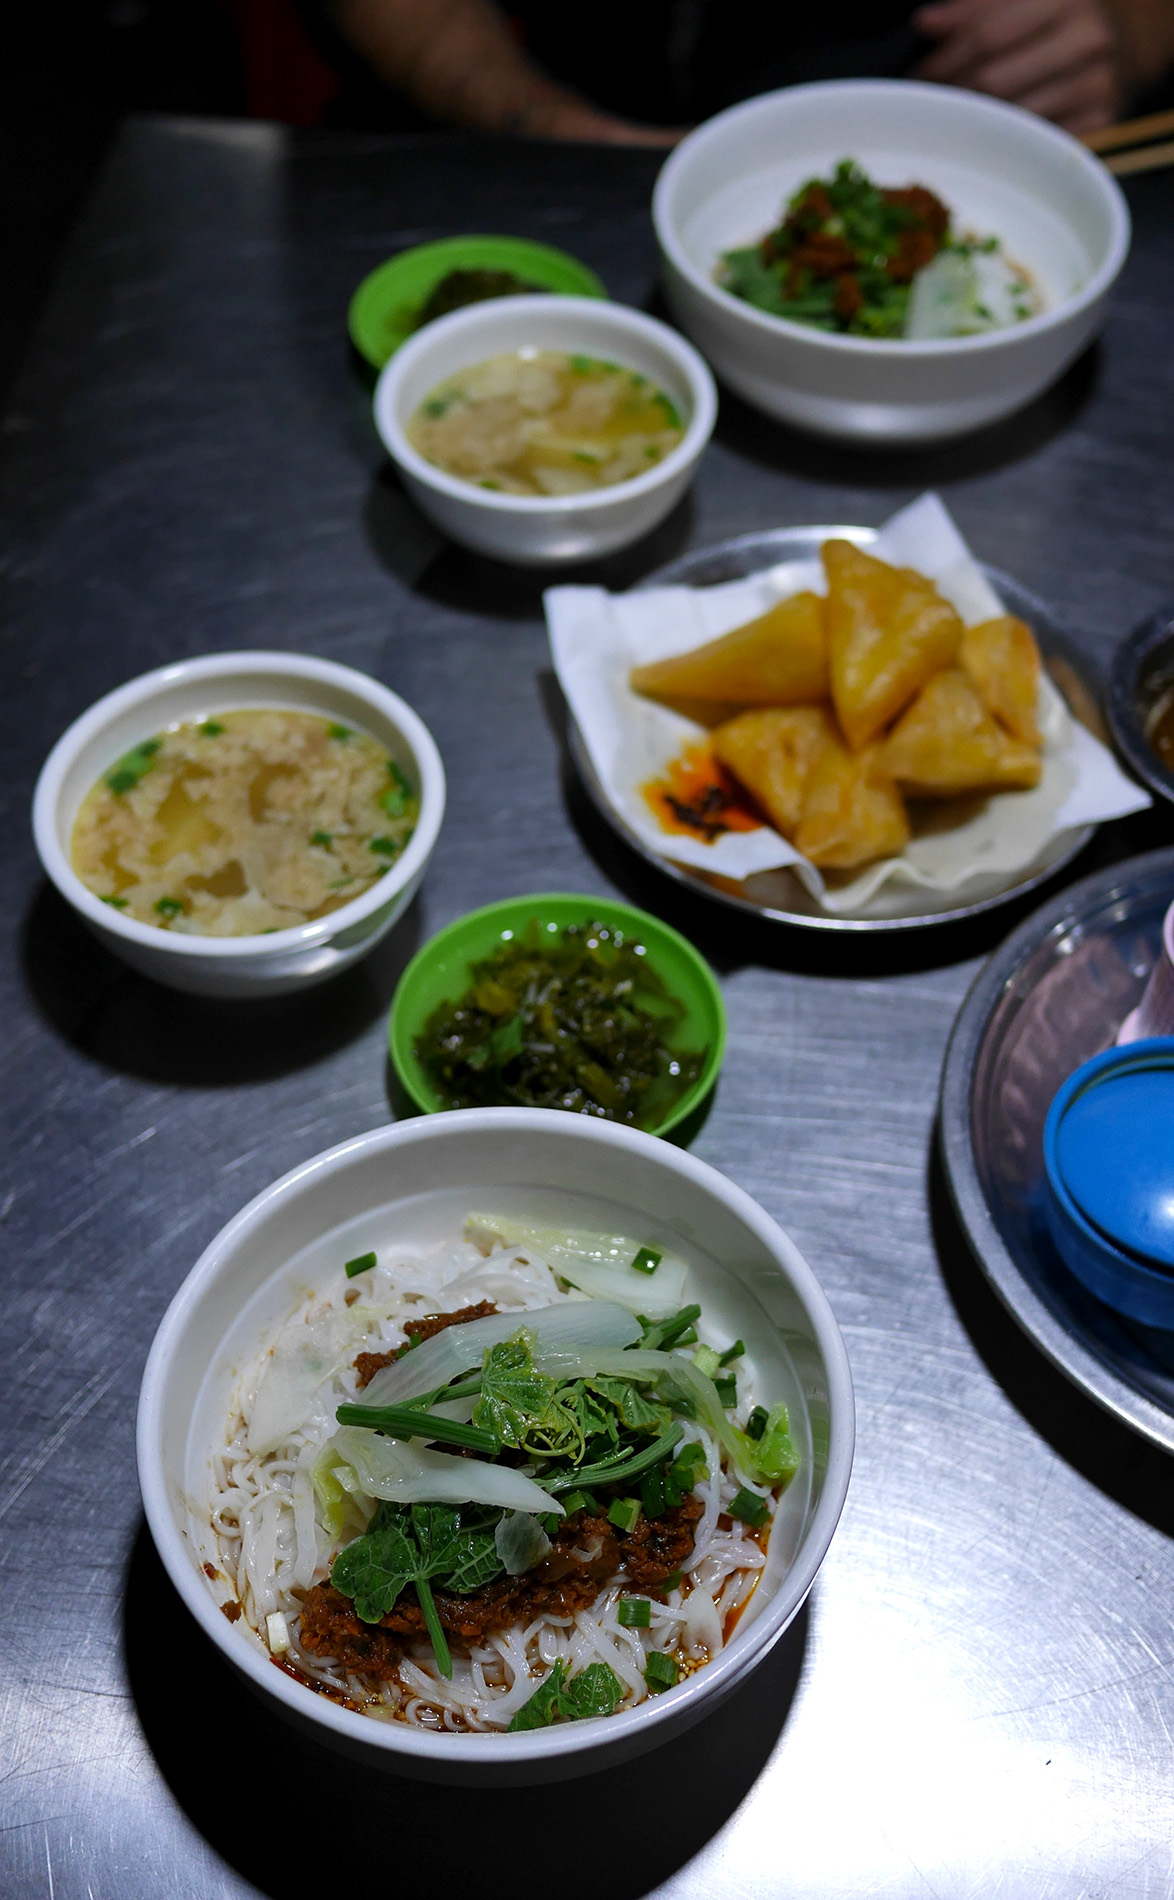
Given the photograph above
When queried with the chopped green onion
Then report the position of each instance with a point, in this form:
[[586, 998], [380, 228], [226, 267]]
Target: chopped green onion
[[340, 732], [706, 1360], [323, 838], [624, 1513], [688, 1466], [386, 847], [403, 1421], [119, 903], [168, 907], [727, 1390], [126, 772], [652, 1493], [579, 1501], [673, 1581], [756, 1423], [732, 1352], [661, 1672], [362, 1263], [664, 1333], [211, 728], [647, 1260], [748, 1506], [635, 1613], [687, 1339]]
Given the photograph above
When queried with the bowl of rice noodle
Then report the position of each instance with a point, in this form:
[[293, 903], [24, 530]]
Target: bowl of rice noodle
[[497, 1446]]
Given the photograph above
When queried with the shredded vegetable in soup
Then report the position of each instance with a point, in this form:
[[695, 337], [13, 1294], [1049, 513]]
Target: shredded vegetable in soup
[[248, 822], [540, 422], [505, 1482]]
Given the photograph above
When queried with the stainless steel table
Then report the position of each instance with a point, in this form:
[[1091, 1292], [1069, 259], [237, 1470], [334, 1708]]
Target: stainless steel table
[[978, 1700]]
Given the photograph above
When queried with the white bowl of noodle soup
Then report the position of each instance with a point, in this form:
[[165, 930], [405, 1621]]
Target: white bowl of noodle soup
[[406, 1185], [276, 961], [546, 530]]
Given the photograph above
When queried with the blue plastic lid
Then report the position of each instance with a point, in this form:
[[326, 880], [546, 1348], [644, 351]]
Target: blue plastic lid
[[1114, 1148]]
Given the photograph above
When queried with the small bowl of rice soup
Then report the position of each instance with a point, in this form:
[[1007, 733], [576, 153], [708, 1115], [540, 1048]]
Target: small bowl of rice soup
[[498, 1446], [546, 430], [242, 824]]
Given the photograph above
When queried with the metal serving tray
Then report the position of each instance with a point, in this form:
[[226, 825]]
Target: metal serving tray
[[1054, 995], [780, 895]]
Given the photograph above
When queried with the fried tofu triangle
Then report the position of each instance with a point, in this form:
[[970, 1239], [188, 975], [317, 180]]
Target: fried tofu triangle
[[889, 630], [852, 811], [771, 753], [948, 742], [780, 659], [1003, 661]]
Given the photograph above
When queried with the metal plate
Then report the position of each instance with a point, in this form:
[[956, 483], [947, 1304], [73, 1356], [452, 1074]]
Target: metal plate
[[780, 895], [1054, 995]]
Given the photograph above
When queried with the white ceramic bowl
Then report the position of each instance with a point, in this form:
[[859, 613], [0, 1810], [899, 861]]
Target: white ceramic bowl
[[1002, 171], [418, 1180], [195, 689], [542, 530]]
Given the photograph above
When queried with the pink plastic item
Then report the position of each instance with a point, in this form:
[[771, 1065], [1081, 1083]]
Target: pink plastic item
[[1154, 1015]]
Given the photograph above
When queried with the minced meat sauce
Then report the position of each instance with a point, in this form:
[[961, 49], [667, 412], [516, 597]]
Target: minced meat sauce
[[565, 1581], [369, 1363]]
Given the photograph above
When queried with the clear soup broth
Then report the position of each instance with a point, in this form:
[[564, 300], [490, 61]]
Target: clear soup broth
[[541, 422], [243, 823]]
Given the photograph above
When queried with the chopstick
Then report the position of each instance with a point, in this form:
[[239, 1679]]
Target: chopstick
[[1139, 135]]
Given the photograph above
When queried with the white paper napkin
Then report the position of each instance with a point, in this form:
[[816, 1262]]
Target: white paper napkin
[[596, 638]]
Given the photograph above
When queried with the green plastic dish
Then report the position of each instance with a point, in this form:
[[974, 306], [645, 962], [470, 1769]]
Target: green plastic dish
[[383, 310], [440, 971]]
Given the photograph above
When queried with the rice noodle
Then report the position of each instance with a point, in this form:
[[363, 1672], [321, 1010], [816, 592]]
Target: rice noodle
[[272, 1545]]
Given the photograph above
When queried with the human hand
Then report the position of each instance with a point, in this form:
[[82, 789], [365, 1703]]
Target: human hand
[[1053, 56]]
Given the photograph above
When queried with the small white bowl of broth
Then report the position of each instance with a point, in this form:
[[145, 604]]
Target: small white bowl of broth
[[243, 824], [546, 430]]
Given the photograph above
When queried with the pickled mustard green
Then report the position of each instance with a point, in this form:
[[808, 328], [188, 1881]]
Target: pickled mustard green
[[575, 1019]]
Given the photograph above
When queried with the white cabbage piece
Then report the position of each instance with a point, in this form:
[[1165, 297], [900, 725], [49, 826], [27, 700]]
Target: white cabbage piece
[[600, 1265], [458, 1349], [291, 1392], [520, 1542], [408, 1473], [966, 294]]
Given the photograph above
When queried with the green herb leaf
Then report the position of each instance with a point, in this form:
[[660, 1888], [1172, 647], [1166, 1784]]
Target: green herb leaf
[[417, 1544], [596, 1690], [514, 1398], [541, 1709]]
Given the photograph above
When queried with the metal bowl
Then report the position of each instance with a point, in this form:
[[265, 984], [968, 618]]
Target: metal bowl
[[1053, 996], [780, 895], [1141, 678]]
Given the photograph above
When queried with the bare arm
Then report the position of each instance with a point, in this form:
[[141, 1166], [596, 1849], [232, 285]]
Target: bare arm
[[458, 60]]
